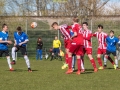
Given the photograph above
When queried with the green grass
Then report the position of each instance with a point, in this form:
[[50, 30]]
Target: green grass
[[48, 75]]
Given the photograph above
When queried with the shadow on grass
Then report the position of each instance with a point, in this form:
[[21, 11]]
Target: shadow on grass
[[21, 70], [87, 71]]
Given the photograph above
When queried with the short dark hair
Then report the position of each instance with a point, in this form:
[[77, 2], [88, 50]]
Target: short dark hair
[[85, 23], [100, 26], [54, 23], [19, 28], [111, 31], [75, 19], [4, 25]]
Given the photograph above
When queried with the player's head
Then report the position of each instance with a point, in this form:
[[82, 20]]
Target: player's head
[[56, 37], [55, 25], [100, 28], [85, 25], [119, 36], [5, 27], [19, 30], [111, 33], [39, 38], [75, 20]]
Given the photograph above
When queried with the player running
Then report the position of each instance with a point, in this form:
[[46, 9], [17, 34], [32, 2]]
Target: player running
[[4, 42], [21, 40], [64, 29], [87, 34], [111, 41], [101, 36], [76, 46]]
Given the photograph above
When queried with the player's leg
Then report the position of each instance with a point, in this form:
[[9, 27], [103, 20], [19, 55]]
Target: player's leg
[[14, 50], [40, 53], [24, 52], [105, 61], [37, 54], [93, 62], [82, 64], [73, 61], [53, 52], [116, 60], [8, 60]]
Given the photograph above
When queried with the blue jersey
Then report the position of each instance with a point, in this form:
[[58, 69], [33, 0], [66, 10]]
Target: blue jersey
[[20, 38], [71, 33], [4, 37], [111, 43]]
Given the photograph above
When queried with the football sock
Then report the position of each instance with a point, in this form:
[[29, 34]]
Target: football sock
[[27, 61], [13, 53], [105, 61], [110, 59], [66, 58], [79, 64], [93, 63], [51, 58], [9, 62], [99, 61], [82, 65], [73, 61], [70, 62], [116, 62]]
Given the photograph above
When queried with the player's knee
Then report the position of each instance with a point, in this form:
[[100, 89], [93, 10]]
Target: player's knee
[[13, 49]]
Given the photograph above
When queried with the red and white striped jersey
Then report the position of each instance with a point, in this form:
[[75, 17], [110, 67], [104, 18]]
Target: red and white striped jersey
[[64, 29], [101, 39], [87, 34]]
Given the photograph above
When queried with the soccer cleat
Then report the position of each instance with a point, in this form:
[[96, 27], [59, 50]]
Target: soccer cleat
[[105, 66], [11, 69], [95, 69], [82, 70], [101, 68], [13, 62], [29, 70], [115, 67], [64, 66], [78, 72], [69, 71]]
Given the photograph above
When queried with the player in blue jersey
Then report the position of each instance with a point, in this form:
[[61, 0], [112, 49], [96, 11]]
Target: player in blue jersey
[[111, 41], [4, 42], [21, 40]]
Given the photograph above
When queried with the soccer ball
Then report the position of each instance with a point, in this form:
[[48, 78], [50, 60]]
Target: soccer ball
[[33, 25]]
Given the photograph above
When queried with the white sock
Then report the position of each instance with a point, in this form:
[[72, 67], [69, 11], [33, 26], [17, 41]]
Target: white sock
[[105, 61], [116, 62], [82, 66], [9, 62], [13, 53], [73, 61], [27, 61]]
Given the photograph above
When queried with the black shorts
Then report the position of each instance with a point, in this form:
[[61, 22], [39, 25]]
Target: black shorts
[[56, 50], [6, 52], [108, 53], [22, 49]]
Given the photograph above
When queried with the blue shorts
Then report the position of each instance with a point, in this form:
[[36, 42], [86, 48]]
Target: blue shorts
[[56, 50]]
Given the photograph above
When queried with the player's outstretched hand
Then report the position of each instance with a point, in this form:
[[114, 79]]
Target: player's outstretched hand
[[9, 42]]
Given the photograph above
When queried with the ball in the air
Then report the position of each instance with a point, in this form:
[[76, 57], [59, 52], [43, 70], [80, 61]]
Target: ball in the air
[[33, 25]]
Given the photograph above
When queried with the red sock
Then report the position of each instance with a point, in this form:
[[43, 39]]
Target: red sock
[[66, 58], [110, 59], [70, 62], [99, 61], [79, 64], [93, 63]]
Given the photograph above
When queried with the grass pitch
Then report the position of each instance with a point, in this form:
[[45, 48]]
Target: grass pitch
[[48, 75]]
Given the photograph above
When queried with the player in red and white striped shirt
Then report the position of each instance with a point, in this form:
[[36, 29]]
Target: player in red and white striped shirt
[[101, 36], [64, 29], [87, 34]]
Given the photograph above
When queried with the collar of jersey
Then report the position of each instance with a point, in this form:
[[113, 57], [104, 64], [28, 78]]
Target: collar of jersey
[[4, 32], [19, 34], [112, 37]]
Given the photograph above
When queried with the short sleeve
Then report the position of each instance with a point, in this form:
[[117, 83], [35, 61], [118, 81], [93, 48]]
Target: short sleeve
[[26, 38], [1, 37]]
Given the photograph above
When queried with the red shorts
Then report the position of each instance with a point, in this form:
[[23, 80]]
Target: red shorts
[[87, 50], [76, 49], [67, 44], [101, 51]]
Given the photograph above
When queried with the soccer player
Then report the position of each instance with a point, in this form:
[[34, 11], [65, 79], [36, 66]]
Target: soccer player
[[64, 29], [101, 36], [4, 42], [87, 34], [56, 48], [39, 49], [76, 46], [20, 39], [111, 41]]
